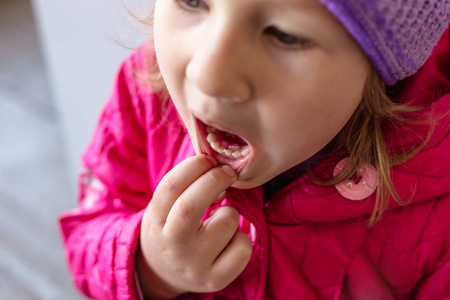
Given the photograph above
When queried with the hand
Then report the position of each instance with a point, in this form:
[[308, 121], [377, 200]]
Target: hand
[[178, 252]]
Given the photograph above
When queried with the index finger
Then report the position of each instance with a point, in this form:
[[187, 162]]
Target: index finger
[[186, 214], [174, 183]]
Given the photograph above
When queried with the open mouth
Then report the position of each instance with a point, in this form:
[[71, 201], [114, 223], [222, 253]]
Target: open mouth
[[226, 147], [227, 143]]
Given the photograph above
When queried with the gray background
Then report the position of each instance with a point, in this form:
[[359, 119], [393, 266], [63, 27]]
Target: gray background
[[57, 64]]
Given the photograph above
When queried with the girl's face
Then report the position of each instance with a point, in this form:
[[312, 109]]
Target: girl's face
[[272, 80]]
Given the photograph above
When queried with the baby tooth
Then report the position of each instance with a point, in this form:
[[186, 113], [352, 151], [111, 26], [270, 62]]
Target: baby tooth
[[237, 154], [245, 151], [215, 145], [211, 137], [228, 152]]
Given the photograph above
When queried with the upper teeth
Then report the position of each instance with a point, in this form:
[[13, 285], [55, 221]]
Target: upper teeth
[[232, 151]]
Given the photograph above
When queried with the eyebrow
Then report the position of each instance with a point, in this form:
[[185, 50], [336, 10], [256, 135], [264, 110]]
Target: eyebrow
[[314, 7], [313, 4]]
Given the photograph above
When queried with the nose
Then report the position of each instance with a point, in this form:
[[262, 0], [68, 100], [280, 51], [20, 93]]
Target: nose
[[220, 66]]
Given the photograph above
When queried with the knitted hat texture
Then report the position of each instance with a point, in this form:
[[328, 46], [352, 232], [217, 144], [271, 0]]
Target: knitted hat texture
[[397, 35]]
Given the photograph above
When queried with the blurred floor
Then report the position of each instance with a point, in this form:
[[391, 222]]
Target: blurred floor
[[34, 181]]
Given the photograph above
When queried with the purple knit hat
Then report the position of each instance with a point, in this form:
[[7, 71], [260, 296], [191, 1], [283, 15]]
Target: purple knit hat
[[397, 35]]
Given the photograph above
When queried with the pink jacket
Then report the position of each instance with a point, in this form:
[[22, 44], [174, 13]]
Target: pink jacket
[[309, 241]]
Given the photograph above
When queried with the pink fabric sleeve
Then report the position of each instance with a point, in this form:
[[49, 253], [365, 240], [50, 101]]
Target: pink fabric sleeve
[[101, 235]]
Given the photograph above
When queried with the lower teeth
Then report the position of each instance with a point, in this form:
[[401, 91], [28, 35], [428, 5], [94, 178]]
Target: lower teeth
[[232, 150]]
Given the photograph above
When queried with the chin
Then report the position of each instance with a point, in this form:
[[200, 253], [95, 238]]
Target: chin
[[248, 183]]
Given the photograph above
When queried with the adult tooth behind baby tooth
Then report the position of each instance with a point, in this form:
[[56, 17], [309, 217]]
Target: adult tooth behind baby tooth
[[234, 147]]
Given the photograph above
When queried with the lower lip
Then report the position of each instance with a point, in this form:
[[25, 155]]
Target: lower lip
[[237, 164]]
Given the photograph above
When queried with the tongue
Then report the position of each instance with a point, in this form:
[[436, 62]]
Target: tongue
[[230, 138]]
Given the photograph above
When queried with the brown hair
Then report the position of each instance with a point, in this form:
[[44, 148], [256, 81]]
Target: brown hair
[[362, 139]]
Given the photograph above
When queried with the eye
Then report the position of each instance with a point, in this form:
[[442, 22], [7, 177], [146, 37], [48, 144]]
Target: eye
[[193, 3], [287, 39]]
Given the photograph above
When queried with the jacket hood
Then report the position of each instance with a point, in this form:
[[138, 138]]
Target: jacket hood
[[421, 178]]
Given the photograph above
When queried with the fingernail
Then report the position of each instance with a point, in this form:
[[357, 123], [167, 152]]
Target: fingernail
[[229, 171], [212, 160]]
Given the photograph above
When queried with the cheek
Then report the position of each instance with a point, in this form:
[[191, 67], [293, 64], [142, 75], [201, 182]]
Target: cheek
[[334, 104], [335, 114], [308, 125], [167, 41], [332, 117]]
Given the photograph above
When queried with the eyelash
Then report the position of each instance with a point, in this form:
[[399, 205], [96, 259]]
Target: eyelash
[[284, 39], [185, 4], [287, 40]]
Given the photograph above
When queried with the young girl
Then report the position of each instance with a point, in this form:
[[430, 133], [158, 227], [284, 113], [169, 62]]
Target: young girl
[[293, 149]]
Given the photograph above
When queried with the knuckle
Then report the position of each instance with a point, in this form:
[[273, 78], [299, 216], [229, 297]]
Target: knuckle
[[234, 214], [167, 186], [185, 209], [228, 217]]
